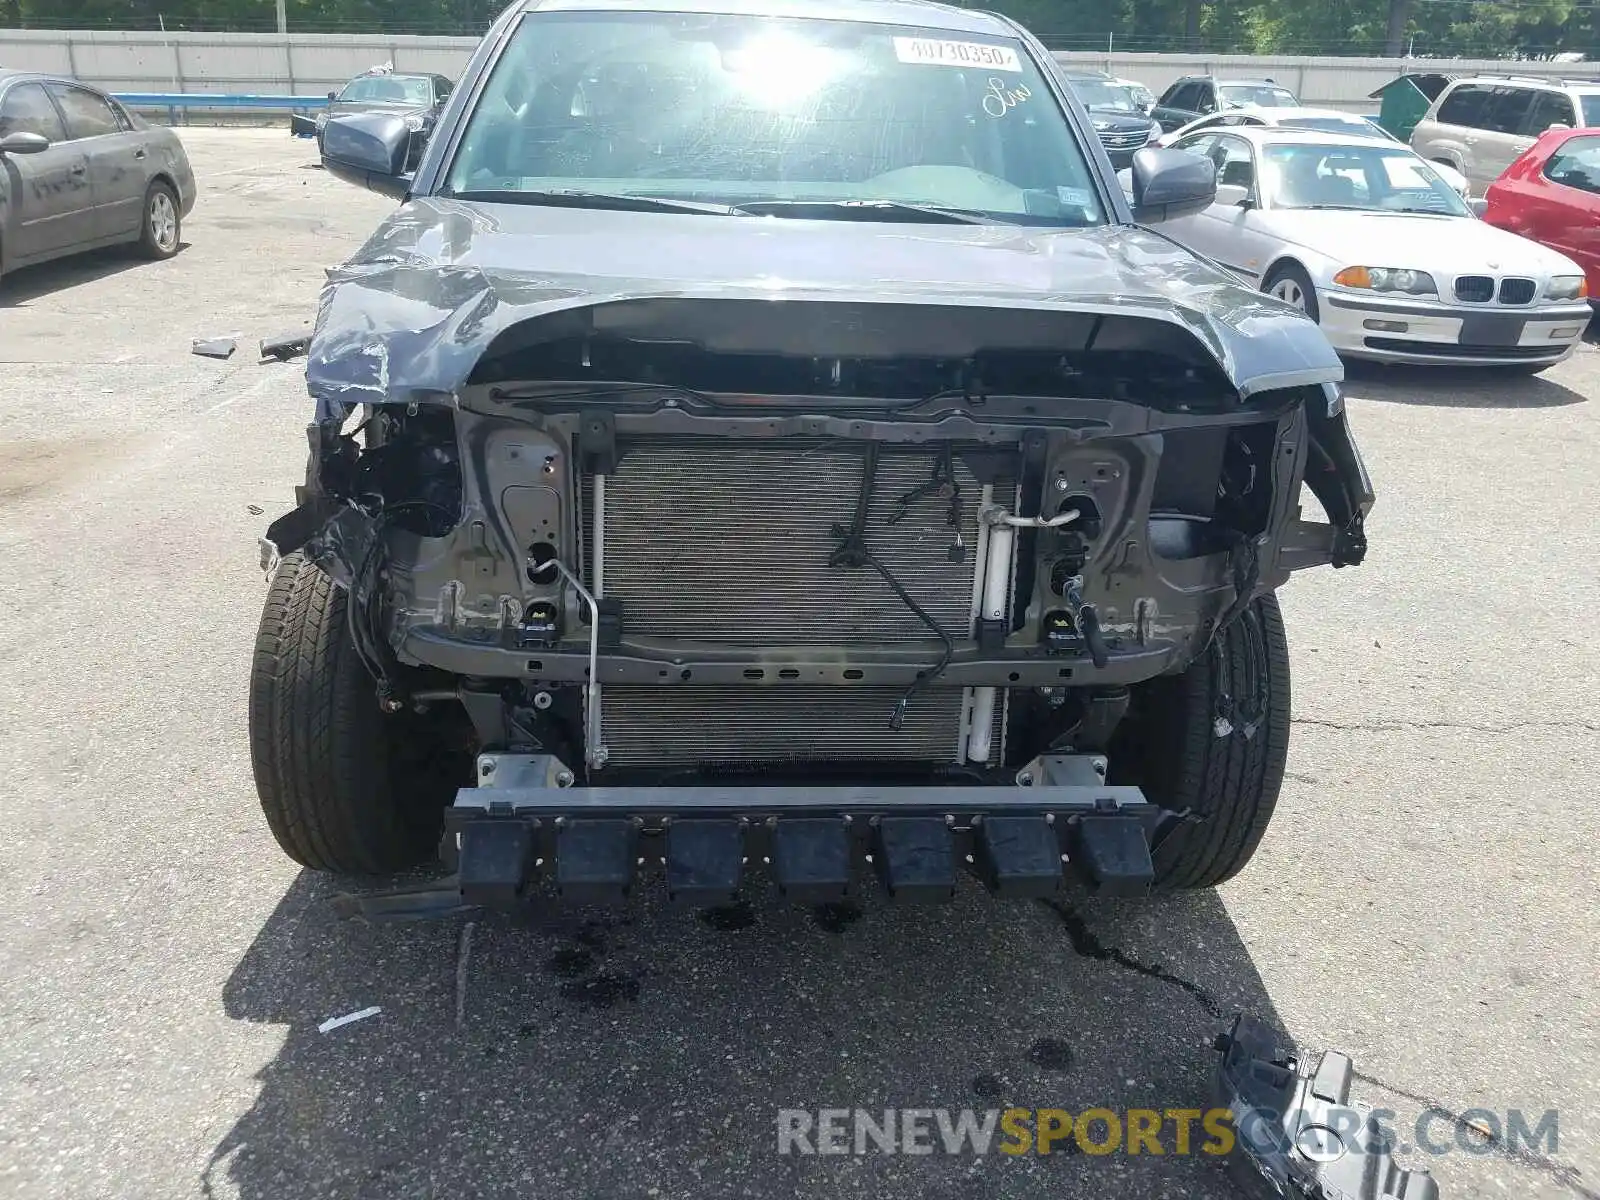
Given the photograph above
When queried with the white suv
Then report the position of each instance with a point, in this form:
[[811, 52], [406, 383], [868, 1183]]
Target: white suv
[[1480, 125]]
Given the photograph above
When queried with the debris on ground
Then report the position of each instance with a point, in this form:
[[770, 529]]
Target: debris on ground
[[216, 347], [333, 1023], [1299, 1134], [285, 346]]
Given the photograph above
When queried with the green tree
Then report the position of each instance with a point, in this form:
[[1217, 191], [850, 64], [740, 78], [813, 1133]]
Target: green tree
[[1492, 28]]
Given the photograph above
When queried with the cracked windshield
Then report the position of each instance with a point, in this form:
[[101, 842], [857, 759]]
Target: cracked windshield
[[777, 117]]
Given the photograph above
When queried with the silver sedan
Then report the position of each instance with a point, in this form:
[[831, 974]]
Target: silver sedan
[[1324, 120], [1366, 238], [79, 171]]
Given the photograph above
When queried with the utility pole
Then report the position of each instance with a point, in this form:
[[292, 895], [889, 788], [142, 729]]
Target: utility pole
[[283, 16]]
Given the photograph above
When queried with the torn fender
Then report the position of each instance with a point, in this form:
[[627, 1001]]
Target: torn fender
[[1301, 1135], [407, 319]]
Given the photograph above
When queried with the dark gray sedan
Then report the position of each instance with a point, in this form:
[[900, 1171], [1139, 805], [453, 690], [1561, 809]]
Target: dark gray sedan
[[78, 171], [416, 98]]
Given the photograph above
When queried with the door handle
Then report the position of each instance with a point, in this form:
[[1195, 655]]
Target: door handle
[[80, 169], [139, 153]]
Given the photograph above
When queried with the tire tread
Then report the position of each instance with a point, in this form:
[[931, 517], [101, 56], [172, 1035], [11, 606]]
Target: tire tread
[[317, 739], [1231, 781]]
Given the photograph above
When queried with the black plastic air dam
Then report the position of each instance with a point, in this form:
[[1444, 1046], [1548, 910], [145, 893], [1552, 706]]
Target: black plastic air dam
[[813, 844]]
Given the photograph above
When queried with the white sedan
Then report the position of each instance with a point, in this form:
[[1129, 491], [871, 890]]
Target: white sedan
[[1143, 98], [1367, 239], [1321, 120]]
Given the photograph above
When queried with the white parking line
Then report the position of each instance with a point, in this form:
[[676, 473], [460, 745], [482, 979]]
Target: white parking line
[[244, 394]]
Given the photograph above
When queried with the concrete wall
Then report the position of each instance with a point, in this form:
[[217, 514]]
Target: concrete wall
[[300, 64], [313, 64]]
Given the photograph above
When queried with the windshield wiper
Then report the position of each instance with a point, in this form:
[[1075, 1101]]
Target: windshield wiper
[[865, 210], [613, 201]]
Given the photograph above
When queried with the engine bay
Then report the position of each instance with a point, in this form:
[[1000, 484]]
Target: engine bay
[[669, 583]]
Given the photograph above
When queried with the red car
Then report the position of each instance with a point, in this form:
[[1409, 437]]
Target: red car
[[1552, 195]]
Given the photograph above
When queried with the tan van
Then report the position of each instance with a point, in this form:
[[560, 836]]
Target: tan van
[[1480, 125]]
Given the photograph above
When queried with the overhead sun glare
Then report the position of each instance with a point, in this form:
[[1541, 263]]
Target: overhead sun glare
[[780, 70]]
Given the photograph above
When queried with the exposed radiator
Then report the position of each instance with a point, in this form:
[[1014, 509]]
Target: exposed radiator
[[728, 541]]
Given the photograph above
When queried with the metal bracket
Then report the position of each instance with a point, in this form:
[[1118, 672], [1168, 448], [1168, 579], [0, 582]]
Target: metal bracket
[[597, 443], [1350, 543], [1064, 770], [523, 771]]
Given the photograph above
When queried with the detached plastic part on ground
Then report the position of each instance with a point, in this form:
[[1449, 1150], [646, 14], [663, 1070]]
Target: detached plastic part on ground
[[285, 346], [216, 347], [1300, 1135], [282, 348]]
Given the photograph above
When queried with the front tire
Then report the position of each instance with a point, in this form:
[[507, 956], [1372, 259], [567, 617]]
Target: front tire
[[1288, 282], [161, 232], [344, 786], [1213, 740]]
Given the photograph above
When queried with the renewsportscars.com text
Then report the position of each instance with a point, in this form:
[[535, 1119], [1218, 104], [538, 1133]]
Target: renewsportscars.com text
[[1136, 1131]]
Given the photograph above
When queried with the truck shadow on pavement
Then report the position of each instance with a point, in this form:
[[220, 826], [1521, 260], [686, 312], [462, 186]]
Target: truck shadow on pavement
[[646, 1051]]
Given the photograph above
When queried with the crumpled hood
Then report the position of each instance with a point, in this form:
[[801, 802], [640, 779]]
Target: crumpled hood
[[407, 318]]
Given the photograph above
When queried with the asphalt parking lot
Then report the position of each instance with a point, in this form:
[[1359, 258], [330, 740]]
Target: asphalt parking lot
[[1425, 899]]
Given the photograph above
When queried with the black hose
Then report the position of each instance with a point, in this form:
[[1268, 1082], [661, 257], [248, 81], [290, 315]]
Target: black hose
[[852, 552], [924, 678], [1089, 626]]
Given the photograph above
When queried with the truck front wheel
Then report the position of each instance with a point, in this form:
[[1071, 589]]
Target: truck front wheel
[[1213, 740], [345, 787]]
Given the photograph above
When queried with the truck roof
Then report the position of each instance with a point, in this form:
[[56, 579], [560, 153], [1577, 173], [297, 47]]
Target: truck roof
[[925, 13]]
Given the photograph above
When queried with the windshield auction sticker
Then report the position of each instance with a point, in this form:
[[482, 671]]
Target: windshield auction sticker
[[956, 54]]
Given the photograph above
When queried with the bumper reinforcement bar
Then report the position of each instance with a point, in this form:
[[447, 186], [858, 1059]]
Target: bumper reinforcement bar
[[526, 826]]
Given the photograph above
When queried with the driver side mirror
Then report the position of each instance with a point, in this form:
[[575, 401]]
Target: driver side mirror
[[23, 143], [1479, 205], [368, 150], [1168, 184]]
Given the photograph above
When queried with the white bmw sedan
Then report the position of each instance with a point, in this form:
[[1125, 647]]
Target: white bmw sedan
[[1323, 120], [1367, 239]]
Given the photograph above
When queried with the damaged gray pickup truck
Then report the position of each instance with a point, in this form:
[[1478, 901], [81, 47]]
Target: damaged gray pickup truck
[[766, 443]]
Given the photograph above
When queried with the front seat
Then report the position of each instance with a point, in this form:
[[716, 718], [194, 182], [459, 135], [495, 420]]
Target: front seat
[[1302, 186], [1336, 189]]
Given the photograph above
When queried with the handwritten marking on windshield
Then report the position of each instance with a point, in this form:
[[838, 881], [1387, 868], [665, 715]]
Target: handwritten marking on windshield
[[999, 99]]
